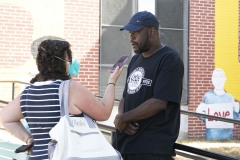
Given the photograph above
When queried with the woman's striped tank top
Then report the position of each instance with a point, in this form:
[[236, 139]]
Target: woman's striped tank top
[[41, 108]]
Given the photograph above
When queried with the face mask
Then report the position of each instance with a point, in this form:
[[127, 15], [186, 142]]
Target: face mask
[[73, 68]]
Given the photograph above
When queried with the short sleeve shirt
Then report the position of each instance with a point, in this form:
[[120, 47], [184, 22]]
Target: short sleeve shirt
[[160, 77]]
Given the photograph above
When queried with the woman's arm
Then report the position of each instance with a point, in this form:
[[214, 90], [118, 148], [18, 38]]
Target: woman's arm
[[87, 103], [10, 118]]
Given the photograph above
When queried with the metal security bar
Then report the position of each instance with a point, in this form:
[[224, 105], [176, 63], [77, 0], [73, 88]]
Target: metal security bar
[[182, 150], [13, 88]]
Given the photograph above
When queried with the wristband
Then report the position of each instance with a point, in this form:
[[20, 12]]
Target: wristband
[[111, 83], [28, 139]]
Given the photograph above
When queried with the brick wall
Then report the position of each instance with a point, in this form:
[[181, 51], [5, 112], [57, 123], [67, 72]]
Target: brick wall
[[16, 35], [201, 58], [22, 22], [16, 31], [81, 29]]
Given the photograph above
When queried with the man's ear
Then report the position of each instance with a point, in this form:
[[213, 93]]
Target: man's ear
[[151, 32]]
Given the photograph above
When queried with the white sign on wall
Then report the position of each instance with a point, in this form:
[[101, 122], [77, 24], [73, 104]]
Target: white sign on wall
[[224, 110]]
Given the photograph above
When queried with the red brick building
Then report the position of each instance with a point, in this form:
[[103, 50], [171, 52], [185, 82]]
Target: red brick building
[[92, 28]]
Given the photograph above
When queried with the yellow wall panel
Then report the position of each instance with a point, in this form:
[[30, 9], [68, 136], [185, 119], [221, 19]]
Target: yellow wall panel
[[226, 44]]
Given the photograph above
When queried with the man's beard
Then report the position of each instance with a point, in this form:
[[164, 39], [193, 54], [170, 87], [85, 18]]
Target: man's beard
[[145, 47]]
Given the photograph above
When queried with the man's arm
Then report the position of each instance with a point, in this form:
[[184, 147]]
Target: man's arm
[[147, 109]]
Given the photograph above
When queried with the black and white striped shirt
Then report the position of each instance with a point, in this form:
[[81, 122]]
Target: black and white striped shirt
[[41, 109]]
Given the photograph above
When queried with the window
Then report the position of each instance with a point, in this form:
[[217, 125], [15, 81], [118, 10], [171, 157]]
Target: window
[[173, 17]]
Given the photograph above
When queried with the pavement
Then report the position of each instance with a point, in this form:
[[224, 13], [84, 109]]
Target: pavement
[[5, 136], [205, 144]]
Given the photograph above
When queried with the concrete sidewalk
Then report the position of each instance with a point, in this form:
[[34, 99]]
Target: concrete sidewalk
[[7, 137]]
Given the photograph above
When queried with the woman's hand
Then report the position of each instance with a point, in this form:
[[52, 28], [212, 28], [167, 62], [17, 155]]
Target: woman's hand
[[115, 75], [26, 148]]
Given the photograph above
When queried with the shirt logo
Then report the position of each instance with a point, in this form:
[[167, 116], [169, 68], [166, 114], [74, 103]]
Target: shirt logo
[[138, 21], [136, 80]]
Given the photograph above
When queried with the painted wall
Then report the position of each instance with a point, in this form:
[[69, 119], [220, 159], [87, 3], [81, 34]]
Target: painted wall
[[213, 43]]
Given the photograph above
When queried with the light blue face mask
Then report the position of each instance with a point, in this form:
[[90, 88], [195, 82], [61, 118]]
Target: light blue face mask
[[73, 68]]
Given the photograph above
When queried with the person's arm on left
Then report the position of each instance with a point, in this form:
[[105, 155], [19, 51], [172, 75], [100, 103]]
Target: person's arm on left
[[10, 117]]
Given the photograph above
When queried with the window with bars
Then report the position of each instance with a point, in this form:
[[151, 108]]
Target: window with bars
[[173, 18]]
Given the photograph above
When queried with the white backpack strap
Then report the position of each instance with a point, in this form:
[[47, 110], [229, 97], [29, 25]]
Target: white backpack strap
[[63, 96], [90, 121], [60, 93]]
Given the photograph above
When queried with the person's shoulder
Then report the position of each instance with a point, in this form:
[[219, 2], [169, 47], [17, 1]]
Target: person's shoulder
[[74, 83], [229, 95], [169, 50], [135, 56], [210, 95], [170, 55], [76, 86]]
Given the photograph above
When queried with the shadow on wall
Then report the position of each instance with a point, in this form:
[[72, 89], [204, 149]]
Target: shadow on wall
[[22, 73]]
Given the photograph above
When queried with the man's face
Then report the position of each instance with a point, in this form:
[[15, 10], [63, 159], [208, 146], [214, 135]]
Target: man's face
[[140, 40]]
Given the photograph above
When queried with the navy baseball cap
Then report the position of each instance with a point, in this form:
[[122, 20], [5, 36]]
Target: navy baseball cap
[[140, 20]]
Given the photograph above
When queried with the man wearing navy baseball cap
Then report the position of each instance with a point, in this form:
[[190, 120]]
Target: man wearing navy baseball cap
[[141, 20], [148, 121]]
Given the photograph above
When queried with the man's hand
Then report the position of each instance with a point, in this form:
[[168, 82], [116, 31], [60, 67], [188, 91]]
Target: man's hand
[[129, 128], [119, 123]]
